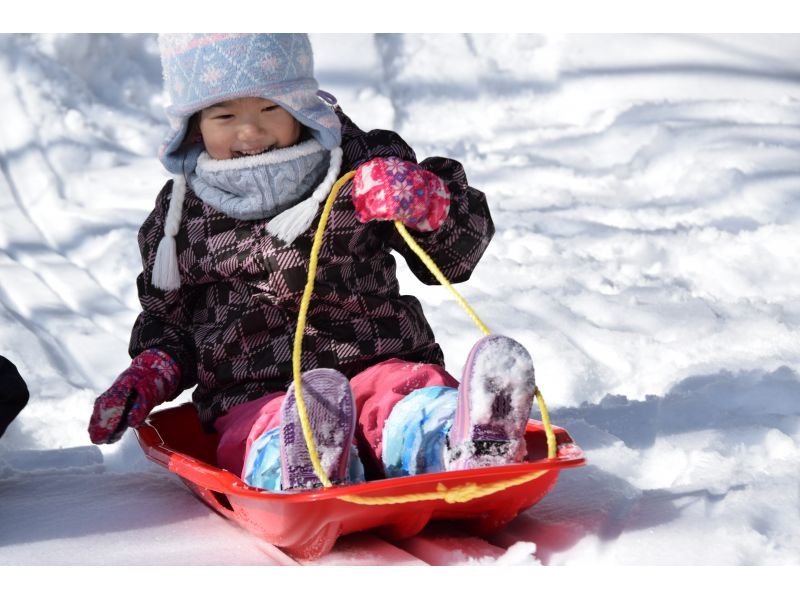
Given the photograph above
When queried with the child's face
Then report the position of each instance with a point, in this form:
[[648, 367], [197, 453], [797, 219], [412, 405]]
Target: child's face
[[246, 127]]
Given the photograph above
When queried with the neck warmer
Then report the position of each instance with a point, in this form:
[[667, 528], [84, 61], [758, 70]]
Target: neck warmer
[[287, 225], [262, 186]]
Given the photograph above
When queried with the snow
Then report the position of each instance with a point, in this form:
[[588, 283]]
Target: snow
[[507, 368], [645, 192]]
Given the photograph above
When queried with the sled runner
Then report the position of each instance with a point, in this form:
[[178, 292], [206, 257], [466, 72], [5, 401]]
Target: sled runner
[[307, 523]]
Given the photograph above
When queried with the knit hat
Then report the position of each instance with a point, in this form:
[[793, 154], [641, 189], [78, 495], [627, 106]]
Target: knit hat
[[203, 69]]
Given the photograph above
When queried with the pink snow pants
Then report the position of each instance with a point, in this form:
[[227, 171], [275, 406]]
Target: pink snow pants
[[376, 390]]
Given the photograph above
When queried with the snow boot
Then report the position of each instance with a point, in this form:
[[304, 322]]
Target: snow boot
[[331, 414], [494, 403]]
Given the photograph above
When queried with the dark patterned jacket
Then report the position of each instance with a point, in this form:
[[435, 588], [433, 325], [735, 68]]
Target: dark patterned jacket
[[230, 325]]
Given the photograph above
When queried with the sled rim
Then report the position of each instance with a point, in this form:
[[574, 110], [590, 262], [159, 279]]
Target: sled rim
[[219, 480]]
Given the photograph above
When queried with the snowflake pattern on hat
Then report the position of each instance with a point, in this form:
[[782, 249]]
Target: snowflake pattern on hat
[[202, 69]]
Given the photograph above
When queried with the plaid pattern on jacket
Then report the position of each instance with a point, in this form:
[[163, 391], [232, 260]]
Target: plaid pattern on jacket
[[230, 325]]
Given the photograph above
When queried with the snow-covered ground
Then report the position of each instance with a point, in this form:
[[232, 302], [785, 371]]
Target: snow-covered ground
[[646, 193]]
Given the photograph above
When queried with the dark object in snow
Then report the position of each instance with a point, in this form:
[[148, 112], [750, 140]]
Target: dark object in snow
[[13, 393]]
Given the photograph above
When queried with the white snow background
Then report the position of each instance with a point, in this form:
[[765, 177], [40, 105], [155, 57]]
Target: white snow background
[[646, 194]]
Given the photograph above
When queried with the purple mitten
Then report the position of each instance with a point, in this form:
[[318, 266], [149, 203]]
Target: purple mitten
[[151, 379], [392, 189]]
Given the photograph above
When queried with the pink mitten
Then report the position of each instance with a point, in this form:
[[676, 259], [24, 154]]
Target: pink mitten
[[150, 380], [392, 189]]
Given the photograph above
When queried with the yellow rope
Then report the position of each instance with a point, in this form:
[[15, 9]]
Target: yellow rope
[[426, 259], [301, 325], [457, 494], [463, 493], [548, 429]]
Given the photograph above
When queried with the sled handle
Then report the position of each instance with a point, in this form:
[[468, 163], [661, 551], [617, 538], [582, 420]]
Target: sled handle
[[306, 301]]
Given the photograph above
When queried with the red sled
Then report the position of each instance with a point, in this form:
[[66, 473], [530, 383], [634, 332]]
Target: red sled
[[306, 524]]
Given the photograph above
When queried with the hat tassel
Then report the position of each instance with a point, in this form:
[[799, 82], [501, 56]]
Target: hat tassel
[[166, 275], [291, 223]]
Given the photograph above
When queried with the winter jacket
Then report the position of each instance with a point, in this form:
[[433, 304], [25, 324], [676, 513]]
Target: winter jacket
[[231, 324]]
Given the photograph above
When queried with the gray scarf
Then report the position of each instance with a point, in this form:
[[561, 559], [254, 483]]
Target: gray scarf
[[261, 186]]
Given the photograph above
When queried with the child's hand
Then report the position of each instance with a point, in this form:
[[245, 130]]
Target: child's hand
[[150, 380], [392, 189]]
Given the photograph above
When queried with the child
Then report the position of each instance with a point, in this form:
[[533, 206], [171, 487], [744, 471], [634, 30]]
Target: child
[[256, 149], [13, 393]]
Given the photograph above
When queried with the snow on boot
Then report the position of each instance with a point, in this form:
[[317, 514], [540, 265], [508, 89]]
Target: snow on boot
[[332, 416], [494, 403]]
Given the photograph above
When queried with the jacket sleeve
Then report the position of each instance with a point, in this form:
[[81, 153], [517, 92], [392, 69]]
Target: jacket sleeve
[[456, 246], [166, 317]]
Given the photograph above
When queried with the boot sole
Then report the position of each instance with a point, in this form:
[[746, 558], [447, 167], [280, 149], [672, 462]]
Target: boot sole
[[332, 416]]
